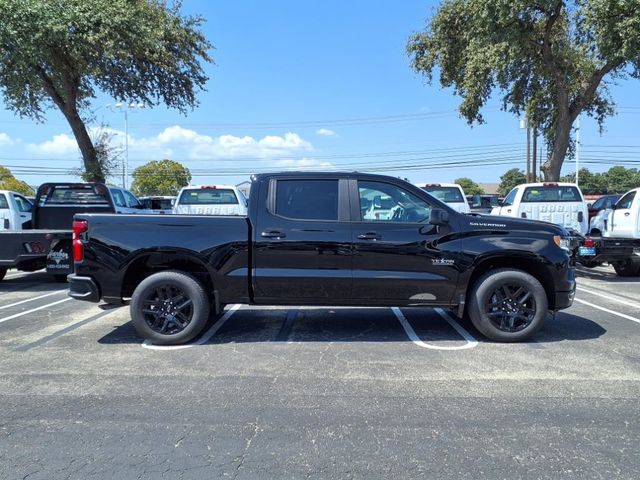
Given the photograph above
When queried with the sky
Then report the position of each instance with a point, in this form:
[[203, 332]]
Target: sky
[[313, 85]]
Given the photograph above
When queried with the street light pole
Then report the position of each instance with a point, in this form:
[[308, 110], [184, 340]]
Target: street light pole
[[125, 164], [577, 148]]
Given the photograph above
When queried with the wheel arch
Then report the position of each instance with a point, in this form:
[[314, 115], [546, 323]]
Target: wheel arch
[[529, 264], [149, 262]]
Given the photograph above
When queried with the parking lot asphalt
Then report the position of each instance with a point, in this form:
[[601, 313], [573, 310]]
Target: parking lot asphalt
[[318, 392]]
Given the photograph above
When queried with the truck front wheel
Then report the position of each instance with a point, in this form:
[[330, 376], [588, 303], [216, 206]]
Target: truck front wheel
[[627, 268], [169, 308], [507, 305]]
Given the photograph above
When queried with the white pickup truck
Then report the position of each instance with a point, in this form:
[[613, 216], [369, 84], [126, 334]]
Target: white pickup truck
[[450, 193], [619, 244], [559, 203], [210, 200], [15, 211]]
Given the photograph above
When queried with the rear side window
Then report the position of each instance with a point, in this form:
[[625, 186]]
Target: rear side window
[[23, 204], [509, 199], [75, 195], [445, 194], [3, 201], [208, 196], [626, 201], [307, 199], [551, 194]]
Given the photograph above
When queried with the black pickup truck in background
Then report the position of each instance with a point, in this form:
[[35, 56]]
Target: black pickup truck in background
[[48, 242], [325, 239]]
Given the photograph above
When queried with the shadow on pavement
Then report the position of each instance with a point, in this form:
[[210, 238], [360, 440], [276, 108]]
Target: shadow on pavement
[[364, 325]]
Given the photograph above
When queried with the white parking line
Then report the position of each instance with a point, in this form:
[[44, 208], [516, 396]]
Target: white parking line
[[458, 328], [2, 320], [32, 299], [411, 333], [611, 297], [613, 312], [202, 340]]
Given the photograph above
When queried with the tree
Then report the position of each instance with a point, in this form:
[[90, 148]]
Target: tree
[[9, 182], [590, 183], [164, 177], [60, 53], [550, 59], [469, 186], [620, 179], [510, 179], [108, 155]]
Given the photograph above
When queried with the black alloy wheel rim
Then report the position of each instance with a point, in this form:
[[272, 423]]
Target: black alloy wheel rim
[[167, 309], [511, 307]]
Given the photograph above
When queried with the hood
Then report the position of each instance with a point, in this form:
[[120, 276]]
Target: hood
[[499, 223]]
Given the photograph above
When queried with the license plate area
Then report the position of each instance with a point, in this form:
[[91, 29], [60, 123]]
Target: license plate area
[[587, 251]]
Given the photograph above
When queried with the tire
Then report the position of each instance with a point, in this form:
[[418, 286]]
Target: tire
[[502, 314], [627, 268], [3, 272], [60, 278], [156, 312]]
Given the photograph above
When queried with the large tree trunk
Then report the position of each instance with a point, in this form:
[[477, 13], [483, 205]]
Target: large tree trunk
[[551, 168], [92, 167]]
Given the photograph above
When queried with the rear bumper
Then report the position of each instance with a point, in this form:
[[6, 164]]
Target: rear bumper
[[83, 288]]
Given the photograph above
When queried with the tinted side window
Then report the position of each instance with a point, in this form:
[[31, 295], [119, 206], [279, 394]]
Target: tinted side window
[[3, 201], [626, 201], [307, 199], [386, 202], [23, 204], [600, 203], [118, 198], [131, 200], [509, 199]]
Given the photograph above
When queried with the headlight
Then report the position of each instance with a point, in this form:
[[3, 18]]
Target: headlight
[[562, 242]]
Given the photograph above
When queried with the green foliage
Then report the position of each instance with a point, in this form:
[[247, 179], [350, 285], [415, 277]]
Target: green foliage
[[9, 182], [549, 59], [469, 186], [164, 177], [617, 179], [62, 52], [510, 179]]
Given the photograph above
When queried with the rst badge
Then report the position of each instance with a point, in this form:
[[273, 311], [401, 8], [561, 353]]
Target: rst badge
[[442, 261]]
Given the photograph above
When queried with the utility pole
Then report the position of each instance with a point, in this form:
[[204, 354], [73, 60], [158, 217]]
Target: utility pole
[[577, 148], [533, 161], [524, 123], [125, 108]]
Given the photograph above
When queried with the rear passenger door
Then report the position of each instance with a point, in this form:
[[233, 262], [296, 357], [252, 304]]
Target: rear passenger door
[[624, 216], [302, 243]]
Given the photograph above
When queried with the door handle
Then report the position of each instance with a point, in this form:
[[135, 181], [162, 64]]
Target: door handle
[[370, 236], [509, 211], [273, 234], [626, 214], [23, 216]]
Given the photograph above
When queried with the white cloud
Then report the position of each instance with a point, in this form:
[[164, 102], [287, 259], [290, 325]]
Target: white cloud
[[325, 132], [196, 146], [60, 145], [305, 164], [7, 141]]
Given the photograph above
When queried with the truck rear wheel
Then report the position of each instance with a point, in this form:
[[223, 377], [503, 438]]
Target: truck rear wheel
[[169, 308], [508, 305], [627, 268]]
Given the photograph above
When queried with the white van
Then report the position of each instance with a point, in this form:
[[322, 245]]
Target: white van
[[623, 220], [449, 193], [559, 203], [210, 200], [15, 211]]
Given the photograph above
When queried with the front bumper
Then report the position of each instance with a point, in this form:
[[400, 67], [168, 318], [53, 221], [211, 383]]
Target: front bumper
[[83, 288]]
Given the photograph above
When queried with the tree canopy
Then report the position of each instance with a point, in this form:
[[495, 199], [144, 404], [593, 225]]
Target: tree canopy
[[550, 59], [62, 52], [9, 182], [617, 179], [510, 179], [164, 177], [469, 186]]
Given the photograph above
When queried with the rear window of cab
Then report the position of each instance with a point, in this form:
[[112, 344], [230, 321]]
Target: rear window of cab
[[208, 196], [445, 194], [551, 194]]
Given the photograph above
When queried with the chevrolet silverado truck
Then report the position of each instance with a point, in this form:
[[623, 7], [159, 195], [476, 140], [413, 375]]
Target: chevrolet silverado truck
[[325, 239]]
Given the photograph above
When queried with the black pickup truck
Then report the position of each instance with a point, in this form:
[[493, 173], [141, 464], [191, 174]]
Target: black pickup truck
[[47, 243], [325, 239]]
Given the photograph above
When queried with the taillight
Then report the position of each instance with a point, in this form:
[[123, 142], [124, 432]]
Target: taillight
[[588, 242], [580, 217], [79, 227]]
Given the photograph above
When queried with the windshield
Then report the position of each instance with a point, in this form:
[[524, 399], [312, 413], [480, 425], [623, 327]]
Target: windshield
[[551, 194], [208, 196], [445, 194]]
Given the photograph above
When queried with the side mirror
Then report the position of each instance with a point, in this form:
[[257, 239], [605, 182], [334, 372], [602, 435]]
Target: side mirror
[[438, 217], [589, 205]]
